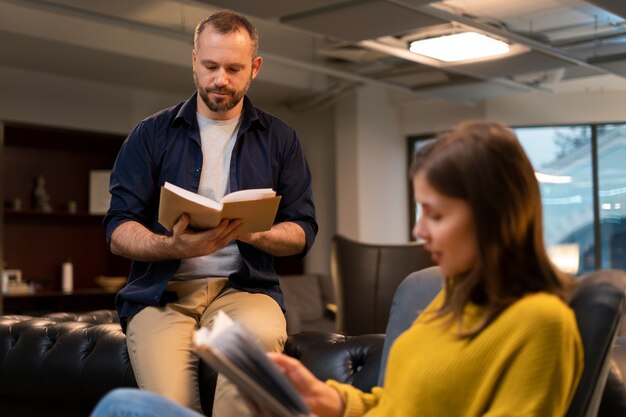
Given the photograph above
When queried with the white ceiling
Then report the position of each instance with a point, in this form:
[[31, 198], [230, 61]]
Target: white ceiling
[[315, 50]]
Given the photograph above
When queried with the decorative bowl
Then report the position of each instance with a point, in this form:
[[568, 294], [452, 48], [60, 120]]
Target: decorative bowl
[[111, 284]]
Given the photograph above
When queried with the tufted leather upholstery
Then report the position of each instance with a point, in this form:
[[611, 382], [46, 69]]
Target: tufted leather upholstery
[[61, 364], [350, 359]]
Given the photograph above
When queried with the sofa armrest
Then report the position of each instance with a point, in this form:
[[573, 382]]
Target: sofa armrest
[[353, 360]]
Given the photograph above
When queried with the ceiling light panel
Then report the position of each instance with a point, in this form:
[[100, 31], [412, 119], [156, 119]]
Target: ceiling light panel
[[459, 47]]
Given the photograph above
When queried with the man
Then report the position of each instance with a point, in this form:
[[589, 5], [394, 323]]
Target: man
[[214, 143]]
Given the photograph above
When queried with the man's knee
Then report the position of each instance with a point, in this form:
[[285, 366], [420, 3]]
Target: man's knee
[[268, 325]]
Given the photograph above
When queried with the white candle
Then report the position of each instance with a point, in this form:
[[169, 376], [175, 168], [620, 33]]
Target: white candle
[[67, 274]]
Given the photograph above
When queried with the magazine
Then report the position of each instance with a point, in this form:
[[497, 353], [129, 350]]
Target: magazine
[[231, 350]]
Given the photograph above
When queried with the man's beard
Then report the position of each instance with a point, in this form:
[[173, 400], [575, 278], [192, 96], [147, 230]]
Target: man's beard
[[221, 105]]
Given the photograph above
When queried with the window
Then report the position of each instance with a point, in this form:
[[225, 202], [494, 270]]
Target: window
[[611, 151], [561, 157], [582, 176]]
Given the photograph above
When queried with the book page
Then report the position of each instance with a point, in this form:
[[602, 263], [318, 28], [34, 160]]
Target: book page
[[173, 203], [191, 196], [250, 194]]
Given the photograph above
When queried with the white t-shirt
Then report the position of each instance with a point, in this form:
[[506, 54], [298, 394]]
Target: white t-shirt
[[218, 139]]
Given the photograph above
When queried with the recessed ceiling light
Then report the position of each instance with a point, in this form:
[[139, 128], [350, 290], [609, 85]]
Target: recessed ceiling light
[[459, 47]]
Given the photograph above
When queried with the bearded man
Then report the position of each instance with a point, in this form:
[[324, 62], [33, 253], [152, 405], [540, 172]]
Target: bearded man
[[214, 143]]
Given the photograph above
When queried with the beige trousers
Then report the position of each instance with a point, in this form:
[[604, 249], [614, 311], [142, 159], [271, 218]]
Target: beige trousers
[[159, 340]]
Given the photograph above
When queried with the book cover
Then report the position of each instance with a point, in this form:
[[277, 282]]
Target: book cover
[[231, 350], [255, 207]]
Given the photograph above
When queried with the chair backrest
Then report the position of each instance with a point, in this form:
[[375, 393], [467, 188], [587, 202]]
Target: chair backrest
[[598, 303], [365, 277], [413, 295], [599, 307]]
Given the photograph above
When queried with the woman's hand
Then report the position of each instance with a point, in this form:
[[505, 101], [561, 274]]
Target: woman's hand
[[322, 400]]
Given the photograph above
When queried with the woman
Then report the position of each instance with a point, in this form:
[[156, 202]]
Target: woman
[[498, 340]]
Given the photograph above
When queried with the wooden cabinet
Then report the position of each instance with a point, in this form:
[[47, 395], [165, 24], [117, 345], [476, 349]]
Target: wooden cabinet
[[42, 302], [38, 242]]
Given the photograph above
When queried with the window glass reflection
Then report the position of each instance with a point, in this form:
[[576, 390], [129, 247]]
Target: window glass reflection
[[415, 208], [612, 194], [561, 157]]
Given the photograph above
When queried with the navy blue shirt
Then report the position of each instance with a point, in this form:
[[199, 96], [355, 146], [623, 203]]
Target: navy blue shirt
[[166, 147]]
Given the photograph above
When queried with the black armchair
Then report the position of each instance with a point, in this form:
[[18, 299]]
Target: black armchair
[[365, 277], [599, 304]]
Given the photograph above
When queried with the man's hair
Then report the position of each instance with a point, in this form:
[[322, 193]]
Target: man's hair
[[227, 21], [484, 164]]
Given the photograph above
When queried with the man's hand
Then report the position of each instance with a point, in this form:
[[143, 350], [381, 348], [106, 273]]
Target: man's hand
[[134, 241], [187, 243]]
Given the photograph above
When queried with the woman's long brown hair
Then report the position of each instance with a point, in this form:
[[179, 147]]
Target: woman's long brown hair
[[484, 164]]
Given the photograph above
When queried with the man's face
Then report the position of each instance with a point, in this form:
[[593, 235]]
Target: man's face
[[223, 68]]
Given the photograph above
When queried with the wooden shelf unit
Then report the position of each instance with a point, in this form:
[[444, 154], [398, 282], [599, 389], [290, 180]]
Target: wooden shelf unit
[[56, 301], [37, 242]]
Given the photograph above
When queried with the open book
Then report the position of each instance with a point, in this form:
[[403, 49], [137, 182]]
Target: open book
[[256, 208], [231, 350]]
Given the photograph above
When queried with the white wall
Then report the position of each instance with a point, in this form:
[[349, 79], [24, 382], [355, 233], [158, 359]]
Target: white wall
[[592, 107], [315, 129], [347, 167], [426, 117], [519, 110], [51, 100], [371, 168]]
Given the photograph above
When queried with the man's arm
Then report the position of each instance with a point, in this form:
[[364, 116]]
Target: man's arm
[[283, 239], [134, 241]]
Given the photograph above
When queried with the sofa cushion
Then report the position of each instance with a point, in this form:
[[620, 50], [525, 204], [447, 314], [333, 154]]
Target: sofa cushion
[[348, 359]]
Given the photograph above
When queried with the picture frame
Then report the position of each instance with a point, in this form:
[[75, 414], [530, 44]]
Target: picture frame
[[99, 196], [11, 278]]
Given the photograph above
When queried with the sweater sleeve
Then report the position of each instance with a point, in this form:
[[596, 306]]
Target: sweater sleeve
[[543, 374], [356, 402]]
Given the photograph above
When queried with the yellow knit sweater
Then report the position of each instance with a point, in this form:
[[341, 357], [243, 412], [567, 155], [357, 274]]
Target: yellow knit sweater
[[526, 363]]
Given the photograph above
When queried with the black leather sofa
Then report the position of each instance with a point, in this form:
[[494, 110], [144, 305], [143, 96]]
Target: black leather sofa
[[61, 364]]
